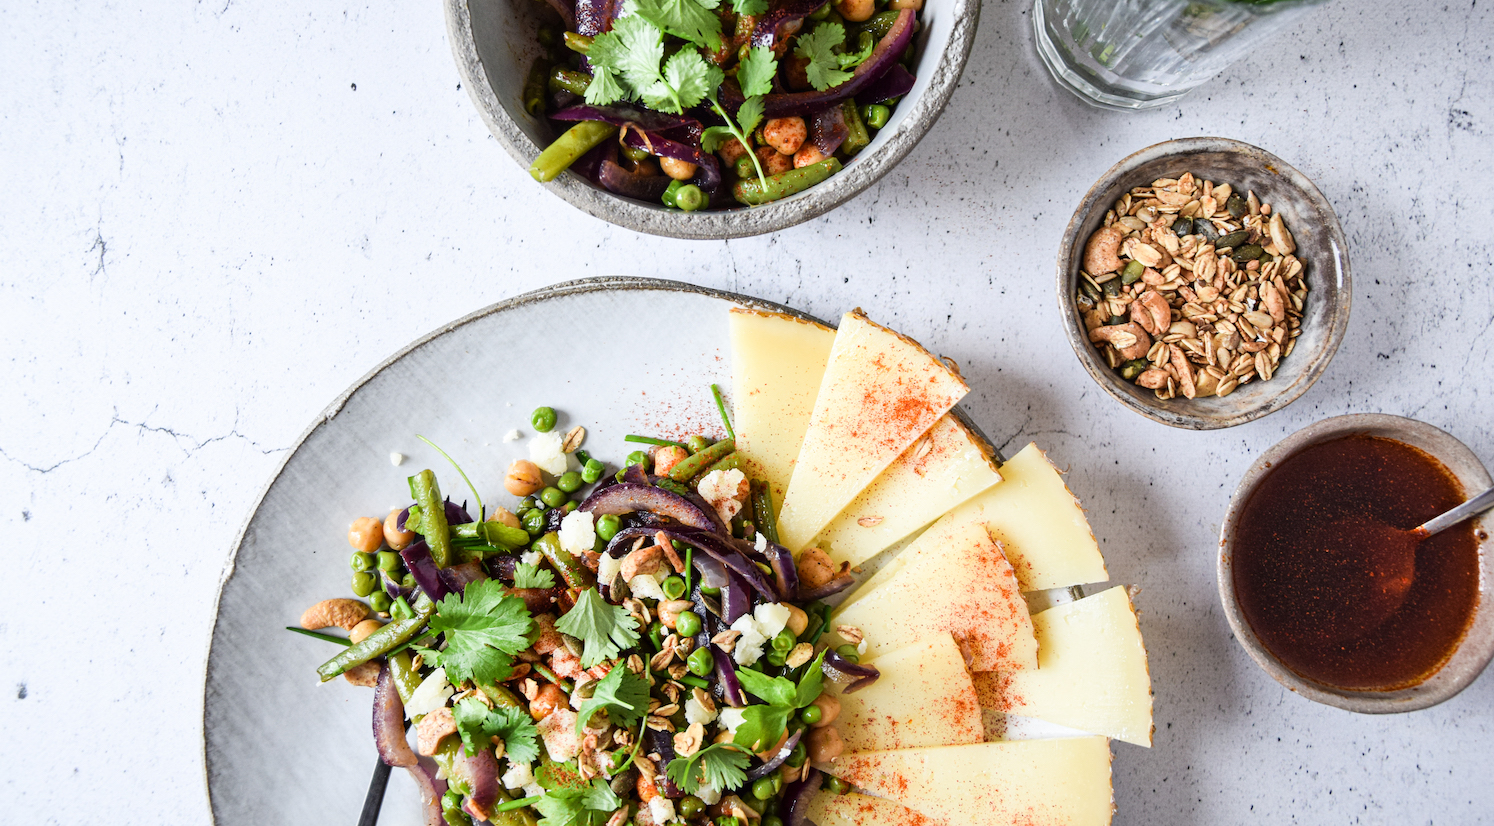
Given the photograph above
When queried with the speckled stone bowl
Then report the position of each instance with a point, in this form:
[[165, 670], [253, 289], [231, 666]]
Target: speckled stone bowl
[[494, 44], [1320, 246], [1477, 646]]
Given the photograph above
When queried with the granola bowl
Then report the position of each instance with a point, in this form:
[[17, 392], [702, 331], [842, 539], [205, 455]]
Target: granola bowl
[[1293, 275]]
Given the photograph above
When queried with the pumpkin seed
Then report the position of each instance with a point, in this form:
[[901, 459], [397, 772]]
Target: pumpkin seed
[[1249, 252], [1236, 205], [1132, 273], [1183, 226], [1234, 239], [1133, 368], [1205, 227]]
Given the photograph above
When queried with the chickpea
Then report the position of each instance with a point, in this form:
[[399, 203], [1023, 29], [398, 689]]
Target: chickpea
[[677, 169], [829, 706], [824, 745], [807, 155], [366, 534], [730, 151], [647, 789], [798, 620], [523, 478], [361, 631], [785, 134], [546, 701], [856, 11], [667, 457], [796, 72], [773, 161], [504, 516], [670, 611], [397, 539]]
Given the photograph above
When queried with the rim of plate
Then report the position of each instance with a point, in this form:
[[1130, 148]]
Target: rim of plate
[[564, 288]]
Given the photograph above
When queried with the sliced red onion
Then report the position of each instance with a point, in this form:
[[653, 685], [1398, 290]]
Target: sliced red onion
[[775, 24], [389, 722], [566, 10], [481, 772], [431, 789], [736, 598], [394, 587], [502, 566], [636, 475], [854, 676], [455, 514], [783, 754], [726, 679], [828, 129], [633, 117], [785, 574], [536, 600], [894, 84], [829, 589], [662, 744], [458, 577], [798, 797], [628, 497], [417, 558], [618, 180], [593, 17], [659, 133]]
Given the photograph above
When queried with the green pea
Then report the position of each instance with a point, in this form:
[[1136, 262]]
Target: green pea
[[380, 602], [697, 443], [848, 651], [785, 641], [607, 525], [554, 497], [543, 419], [526, 503], [592, 472], [689, 198], [407, 581], [547, 37], [364, 583], [774, 820], [797, 757], [728, 820], [570, 481], [701, 662], [687, 624], [638, 457], [811, 715], [777, 658], [361, 561], [690, 806], [389, 561], [876, 115], [710, 591], [571, 506], [635, 154], [835, 785], [674, 587], [533, 521], [762, 789]]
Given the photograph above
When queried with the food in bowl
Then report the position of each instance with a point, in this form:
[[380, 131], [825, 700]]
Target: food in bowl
[[700, 104], [1191, 288], [693, 638]]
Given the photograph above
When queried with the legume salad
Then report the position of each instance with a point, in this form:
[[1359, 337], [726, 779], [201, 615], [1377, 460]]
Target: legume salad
[[708, 104], [622, 646]]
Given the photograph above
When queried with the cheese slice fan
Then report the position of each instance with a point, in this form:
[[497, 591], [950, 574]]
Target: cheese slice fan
[[778, 361], [1064, 780], [954, 580], [1091, 674], [829, 809], [881, 392], [924, 698]]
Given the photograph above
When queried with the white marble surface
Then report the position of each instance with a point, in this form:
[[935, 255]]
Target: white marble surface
[[218, 215]]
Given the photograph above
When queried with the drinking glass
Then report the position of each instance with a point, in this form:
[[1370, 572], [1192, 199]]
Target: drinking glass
[[1137, 54]]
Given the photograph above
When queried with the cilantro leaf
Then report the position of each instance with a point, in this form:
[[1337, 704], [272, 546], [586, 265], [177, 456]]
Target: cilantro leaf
[[484, 628], [762, 726], [590, 805], [604, 88], [721, 765], [478, 725], [603, 629], [750, 7], [533, 576], [624, 696], [691, 77], [755, 72], [686, 19], [642, 47], [824, 65], [713, 137], [851, 60], [750, 114]]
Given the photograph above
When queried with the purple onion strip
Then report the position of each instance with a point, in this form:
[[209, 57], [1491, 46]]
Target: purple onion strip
[[389, 722], [829, 589], [842, 671], [896, 83], [785, 574], [628, 497], [481, 772], [726, 679], [777, 22], [783, 754], [828, 129], [431, 789], [798, 796], [417, 558]]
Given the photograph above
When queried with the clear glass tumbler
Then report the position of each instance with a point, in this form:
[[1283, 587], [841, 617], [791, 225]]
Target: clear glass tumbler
[[1136, 54]]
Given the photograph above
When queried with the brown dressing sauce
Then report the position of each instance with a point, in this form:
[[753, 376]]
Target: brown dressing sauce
[[1322, 559]]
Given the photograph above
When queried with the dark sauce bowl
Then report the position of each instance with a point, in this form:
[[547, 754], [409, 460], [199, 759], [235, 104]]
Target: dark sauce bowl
[[1471, 653]]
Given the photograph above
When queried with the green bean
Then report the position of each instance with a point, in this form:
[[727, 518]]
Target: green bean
[[544, 671], [848, 652], [694, 465], [762, 511], [535, 86], [319, 635], [492, 533], [500, 695], [856, 135], [433, 523], [568, 80], [568, 148], [543, 419], [592, 472], [577, 42], [570, 568], [364, 583], [380, 642], [692, 680], [753, 193], [404, 674], [673, 587], [876, 115], [696, 443], [731, 461], [401, 609], [743, 167], [785, 641], [689, 198], [649, 440], [880, 24], [669, 192]]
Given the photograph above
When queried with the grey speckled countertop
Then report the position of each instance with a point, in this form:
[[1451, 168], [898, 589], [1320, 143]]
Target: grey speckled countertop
[[217, 215]]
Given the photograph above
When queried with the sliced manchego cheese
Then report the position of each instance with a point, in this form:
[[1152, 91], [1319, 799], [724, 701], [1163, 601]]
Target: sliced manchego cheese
[[1039, 524], [881, 391], [1062, 781], [955, 581], [943, 469], [1091, 675], [778, 361], [924, 698], [853, 809]]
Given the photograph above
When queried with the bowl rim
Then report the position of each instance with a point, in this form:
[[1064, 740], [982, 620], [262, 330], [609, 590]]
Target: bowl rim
[[707, 225], [1474, 651], [1175, 415]]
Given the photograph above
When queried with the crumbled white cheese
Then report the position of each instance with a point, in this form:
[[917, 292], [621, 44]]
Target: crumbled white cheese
[[396, 459], [577, 533], [661, 809], [760, 543], [725, 490], [697, 713], [518, 775], [708, 794], [531, 557], [861, 648], [512, 436], [608, 568], [646, 586], [431, 694], [544, 450], [750, 645], [534, 790], [771, 618], [731, 719]]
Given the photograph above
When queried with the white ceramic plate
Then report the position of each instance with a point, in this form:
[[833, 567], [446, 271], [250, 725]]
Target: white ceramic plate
[[281, 749]]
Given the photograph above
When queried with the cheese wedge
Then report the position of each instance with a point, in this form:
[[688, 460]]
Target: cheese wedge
[[863, 810], [1091, 674], [777, 363], [881, 392], [923, 698], [1065, 781], [954, 581], [943, 469]]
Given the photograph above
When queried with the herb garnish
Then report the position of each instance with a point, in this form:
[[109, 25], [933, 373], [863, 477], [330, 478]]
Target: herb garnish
[[484, 629], [478, 725], [604, 629]]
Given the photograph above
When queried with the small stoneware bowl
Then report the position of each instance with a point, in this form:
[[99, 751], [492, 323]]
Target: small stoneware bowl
[[1320, 246], [1477, 646], [494, 42]]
